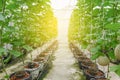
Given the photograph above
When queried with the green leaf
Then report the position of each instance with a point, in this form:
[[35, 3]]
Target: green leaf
[[15, 53], [95, 56], [27, 47], [118, 72], [111, 55], [2, 50], [0, 5], [115, 69], [84, 46], [12, 6], [95, 49], [17, 43], [6, 76], [114, 27], [2, 17], [7, 59]]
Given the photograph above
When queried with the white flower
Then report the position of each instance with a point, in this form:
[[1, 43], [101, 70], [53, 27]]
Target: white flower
[[8, 46], [34, 4], [107, 7], [97, 7], [24, 7], [11, 23]]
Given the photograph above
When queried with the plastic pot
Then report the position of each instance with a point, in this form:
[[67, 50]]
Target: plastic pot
[[102, 79], [39, 59], [21, 75], [95, 75], [44, 56], [33, 68], [83, 61], [82, 58], [88, 65], [77, 55]]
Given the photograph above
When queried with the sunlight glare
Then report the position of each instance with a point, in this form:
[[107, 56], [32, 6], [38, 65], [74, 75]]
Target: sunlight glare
[[63, 10], [59, 4]]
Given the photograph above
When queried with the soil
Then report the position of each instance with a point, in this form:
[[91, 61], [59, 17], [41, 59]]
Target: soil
[[83, 59], [32, 65], [102, 79], [78, 55], [43, 54], [20, 75], [96, 74], [38, 59], [88, 65]]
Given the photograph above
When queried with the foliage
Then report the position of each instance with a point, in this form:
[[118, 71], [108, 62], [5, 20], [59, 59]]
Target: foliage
[[116, 69], [96, 23], [26, 24]]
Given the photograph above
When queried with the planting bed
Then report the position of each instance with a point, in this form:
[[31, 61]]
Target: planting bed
[[89, 68], [40, 63]]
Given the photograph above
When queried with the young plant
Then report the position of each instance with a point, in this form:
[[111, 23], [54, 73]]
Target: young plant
[[28, 48], [2, 51]]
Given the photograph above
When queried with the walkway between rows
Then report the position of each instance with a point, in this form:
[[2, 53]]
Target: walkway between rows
[[64, 65]]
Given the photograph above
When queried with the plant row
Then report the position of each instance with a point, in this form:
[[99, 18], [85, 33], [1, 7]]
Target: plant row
[[95, 25], [89, 68], [34, 69], [24, 25]]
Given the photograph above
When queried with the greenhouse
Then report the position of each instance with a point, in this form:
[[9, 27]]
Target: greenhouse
[[59, 39]]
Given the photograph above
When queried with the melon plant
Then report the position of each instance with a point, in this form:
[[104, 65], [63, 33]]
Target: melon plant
[[95, 22], [2, 65], [117, 52], [26, 22], [103, 61]]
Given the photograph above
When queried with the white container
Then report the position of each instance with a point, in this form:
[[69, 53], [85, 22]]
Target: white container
[[34, 71]]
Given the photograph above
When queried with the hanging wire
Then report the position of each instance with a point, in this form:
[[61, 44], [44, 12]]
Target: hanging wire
[[79, 18], [91, 26]]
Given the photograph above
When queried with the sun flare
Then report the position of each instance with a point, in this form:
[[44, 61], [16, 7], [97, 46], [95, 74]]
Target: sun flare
[[63, 15], [59, 4]]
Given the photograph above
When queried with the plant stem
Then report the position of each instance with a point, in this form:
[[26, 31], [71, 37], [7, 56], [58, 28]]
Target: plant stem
[[31, 56], [3, 65], [3, 12], [23, 60], [115, 13], [108, 71], [1, 32], [113, 62]]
